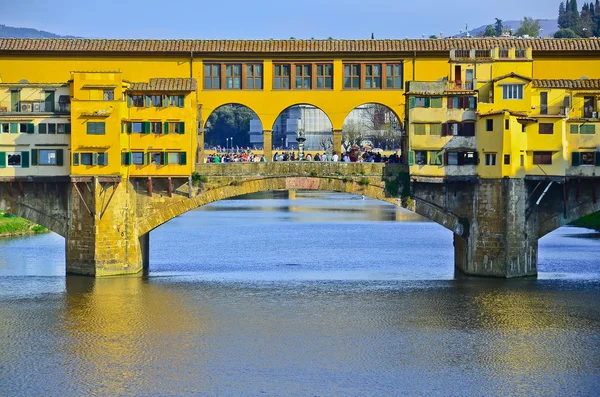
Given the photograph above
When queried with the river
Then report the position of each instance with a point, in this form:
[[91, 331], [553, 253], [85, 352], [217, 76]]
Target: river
[[325, 295]]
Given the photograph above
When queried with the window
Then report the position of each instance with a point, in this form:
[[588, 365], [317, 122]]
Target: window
[[546, 128], [109, 95], [585, 158], [95, 128], [156, 158], [419, 129], [212, 76], [421, 157], [14, 159], [436, 157], [254, 76], [137, 158], [461, 158], [542, 158], [523, 128], [61, 128], [490, 159], [87, 158], [458, 129], [303, 76], [435, 129], [506, 124], [462, 102], [4, 128], [176, 127], [352, 76], [177, 158], [233, 76], [393, 76], [51, 128], [467, 129], [452, 158], [156, 127], [503, 53], [421, 102], [489, 125], [46, 157], [588, 158], [102, 158], [281, 79], [520, 53], [156, 100], [137, 127], [512, 91], [373, 76], [325, 76], [23, 128], [175, 101], [173, 158], [507, 159], [588, 107], [522, 161], [587, 129], [137, 100]]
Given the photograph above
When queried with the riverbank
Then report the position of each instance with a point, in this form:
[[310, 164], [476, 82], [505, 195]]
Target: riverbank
[[591, 221], [11, 226]]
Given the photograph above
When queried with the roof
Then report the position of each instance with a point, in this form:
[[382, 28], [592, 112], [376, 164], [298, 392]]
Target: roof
[[509, 75], [502, 111], [165, 84], [291, 46], [586, 84]]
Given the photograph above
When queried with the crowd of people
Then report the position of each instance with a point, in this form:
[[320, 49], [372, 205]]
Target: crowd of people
[[353, 156]]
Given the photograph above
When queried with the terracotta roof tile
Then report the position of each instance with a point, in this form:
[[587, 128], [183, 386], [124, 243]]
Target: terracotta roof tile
[[589, 84], [291, 46], [165, 84], [502, 111], [511, 74]]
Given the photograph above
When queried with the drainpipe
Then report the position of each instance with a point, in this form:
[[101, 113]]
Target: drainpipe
[[414, 65]]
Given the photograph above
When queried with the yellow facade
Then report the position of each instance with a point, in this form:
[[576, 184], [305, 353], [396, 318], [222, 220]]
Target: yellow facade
[[108, 134]]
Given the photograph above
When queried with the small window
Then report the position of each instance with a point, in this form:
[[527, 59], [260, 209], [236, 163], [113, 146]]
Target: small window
[[393, 76], [452, 158], [137, 126], [523, 128], [281, 77], [156, 158], [175, 101], [546, 128], [95, 128], [61, 128], [490, 159], [51, 128], [212, 76], [352, 76], [174, 127], [23, 128], [14, 159], [47, 157], [542, 158], [421, 157], [588, 158], [173, 158], [102, 158], [137, 158], [512, 91], [507, 159], [4, 128], [469, 158], [87, 158], [373, 76], [109, 95], [435, 129], [137, 101], [419, 129], [233, 76], [506, 124], [489, 125], [156, 100], [303, 76], [522, 161], [156, 127], [325, 76]]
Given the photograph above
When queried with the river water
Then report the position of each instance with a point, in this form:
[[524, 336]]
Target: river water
[[325, 295]]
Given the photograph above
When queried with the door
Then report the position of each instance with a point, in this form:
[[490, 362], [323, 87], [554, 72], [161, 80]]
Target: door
[[14, 100], [458, 76], [469, 79], [49, 102], [588, 106], [543, 103]]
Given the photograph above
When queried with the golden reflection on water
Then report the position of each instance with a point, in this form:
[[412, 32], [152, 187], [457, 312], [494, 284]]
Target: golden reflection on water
[[120, 326]]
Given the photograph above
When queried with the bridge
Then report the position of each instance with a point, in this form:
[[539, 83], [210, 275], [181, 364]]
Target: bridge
[[106, 221]]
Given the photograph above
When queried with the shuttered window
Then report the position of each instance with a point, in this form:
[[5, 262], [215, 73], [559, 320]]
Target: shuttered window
[[542, 158], [419, 129], [96, 128], [546, 128]]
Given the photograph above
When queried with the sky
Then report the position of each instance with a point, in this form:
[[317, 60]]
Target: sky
[[265, 19]]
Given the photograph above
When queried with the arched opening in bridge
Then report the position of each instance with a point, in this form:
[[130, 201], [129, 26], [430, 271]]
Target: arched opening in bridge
[[233, 128], [373, 128], [303, 120]]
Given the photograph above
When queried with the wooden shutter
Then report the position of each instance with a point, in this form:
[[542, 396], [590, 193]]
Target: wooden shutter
[[2, 159], [166, 127], [182, 127], [412, 102], [182, 158], [105, 158], [68, 128], [14, 128], [30, 128], [165, 158], [75, 158], [574, 129], [148, 158], [148, 101], [146, 127], [445, 157], [427, 102], [575, 159], [411, 157], [181, 100], [34, 156], [587, 129], [49, 102], [59, 157], [436, 102], [129, 101], [445, 129], [94, 158], [450, 102], [597, 159], [24, 159], [42, 128], [472, 102]]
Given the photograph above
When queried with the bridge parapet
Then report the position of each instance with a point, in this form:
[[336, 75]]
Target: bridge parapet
[[301, 168]]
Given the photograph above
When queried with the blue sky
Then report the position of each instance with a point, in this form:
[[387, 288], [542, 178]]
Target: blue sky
[[263, 19]]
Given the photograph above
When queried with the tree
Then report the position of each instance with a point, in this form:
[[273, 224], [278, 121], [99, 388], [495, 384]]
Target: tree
[[562, 16], [489, 31], [352, 134], [529, 27], [565, 34], [229, 121], [435, 37], [499, 27]]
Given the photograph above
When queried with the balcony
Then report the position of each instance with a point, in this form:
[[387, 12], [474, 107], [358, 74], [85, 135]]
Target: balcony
[[590, 113], [37, 107], [460, 85]]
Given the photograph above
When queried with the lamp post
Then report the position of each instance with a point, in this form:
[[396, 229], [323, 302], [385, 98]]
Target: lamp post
[[226, 144], [231, 140]]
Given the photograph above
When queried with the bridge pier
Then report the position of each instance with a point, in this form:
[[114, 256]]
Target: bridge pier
[[501, 241]]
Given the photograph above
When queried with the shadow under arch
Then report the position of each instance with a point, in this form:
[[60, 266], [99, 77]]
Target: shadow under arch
[[375, 122], [226, 191], [240, 114], [311, 119]]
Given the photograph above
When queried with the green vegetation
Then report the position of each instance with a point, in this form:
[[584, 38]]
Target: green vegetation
[[575, 23], [347, 179], [591, 221], [198, 179], [314, 173], [364, 182], [11, 225], [529, 27]]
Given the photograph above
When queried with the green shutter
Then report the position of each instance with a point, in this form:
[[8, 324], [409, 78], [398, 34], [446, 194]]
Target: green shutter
[[126, 158], [575, 159], [94, 158], [68, 128], [34, 156], [597, 159], [75, 158], [587, 129], [105, 158], [2, 159], [182, 127], [148, 158], [412, 102], [24, 159], [49, 102], [436, 102], [166, 127], [181, 101], [411, 157], [148, 101], [15, 99], [129, 101], [427, 102], [42, 128], [183, 158], [30, 128], [129, 157], [165, 158], [59, 157], [574, 129], [146, 127], [14, 128]]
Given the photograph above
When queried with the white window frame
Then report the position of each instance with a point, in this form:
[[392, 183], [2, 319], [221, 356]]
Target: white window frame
[[5, 128], [490, 159], [512, 92]]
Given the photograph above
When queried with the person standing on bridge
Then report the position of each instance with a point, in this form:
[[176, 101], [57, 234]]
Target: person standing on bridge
[[334, 157]]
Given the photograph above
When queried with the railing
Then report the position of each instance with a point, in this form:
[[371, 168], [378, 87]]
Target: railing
[[462, 53], [503, 53], [520, 53], [39, 107], [590, 113], [483, 54], [460, 85]]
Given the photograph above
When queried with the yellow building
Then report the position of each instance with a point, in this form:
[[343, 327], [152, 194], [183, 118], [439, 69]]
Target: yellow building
[[136, 108]]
